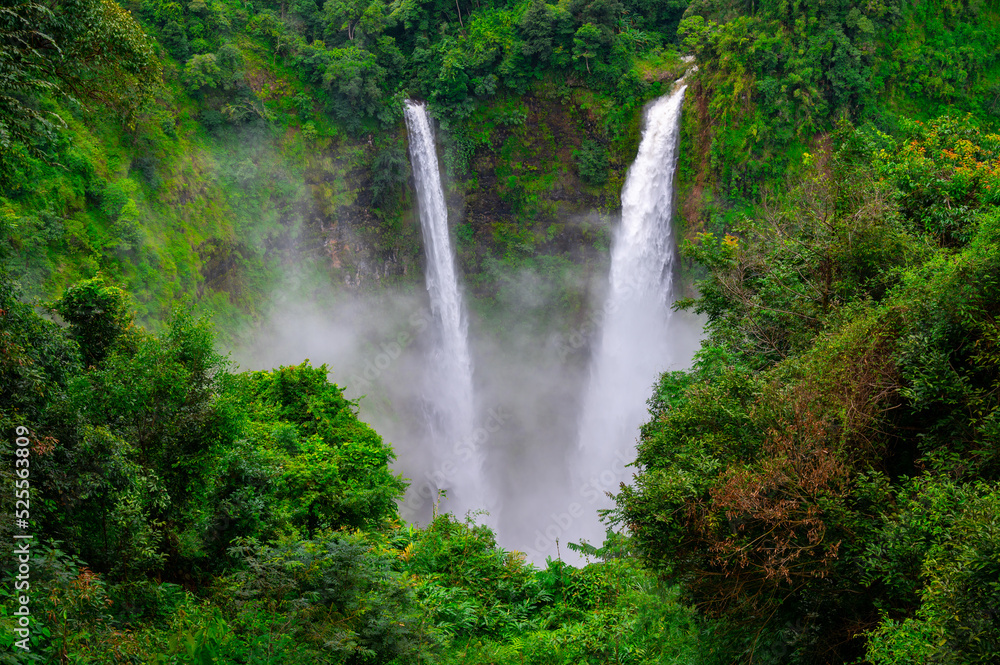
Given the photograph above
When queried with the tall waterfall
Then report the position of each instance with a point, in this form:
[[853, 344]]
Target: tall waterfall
[[635, 339], [457, 463]]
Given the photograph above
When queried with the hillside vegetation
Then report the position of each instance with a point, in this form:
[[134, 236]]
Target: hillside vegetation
[[776, 78], [269, 140], [188, 514], [825, 469]]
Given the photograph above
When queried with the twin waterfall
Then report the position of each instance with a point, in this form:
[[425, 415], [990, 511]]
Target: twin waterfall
[[633, 345]]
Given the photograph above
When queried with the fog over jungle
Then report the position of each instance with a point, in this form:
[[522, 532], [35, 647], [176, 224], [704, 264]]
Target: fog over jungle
[[531, 366]]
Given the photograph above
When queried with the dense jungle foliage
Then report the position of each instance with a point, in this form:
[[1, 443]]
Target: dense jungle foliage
[[777, 77], [828, 469], [821, 486], [189, 514], [229, 150]]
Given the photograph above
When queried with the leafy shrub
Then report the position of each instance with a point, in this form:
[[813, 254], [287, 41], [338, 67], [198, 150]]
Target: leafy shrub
[[958, 543], [98, 315], [202, 71], [390, 170], [344, 596], [592, 163]]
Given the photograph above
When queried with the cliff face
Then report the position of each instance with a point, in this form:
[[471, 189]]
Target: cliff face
[[539, 192], [268, 153]]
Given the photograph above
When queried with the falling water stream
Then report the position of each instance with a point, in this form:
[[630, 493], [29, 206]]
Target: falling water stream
[[449, 406], [634, 344], [635, 341]]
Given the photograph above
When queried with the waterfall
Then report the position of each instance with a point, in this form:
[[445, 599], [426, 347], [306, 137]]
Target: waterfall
[[457, 463], [635, 338]]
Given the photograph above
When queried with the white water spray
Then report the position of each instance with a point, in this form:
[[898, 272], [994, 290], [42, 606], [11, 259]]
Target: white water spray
[[457, 463], [635, 343]]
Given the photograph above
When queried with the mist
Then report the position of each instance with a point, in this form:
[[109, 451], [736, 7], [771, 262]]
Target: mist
[[531, 367], [548, 427]]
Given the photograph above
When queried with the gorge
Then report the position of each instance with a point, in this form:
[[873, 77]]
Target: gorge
[[633, 338], [274, 335]]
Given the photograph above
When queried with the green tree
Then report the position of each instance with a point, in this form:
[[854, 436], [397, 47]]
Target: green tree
[[339, 476], [357, 78], [587, 43], [955, 619], [592, 163], [24, 74], [389, 170], [341, 595], [114, 516], [37, 360], [202, 71], [352, 16], [98, 315], [229, 59], [537, 30], [174, 38]]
